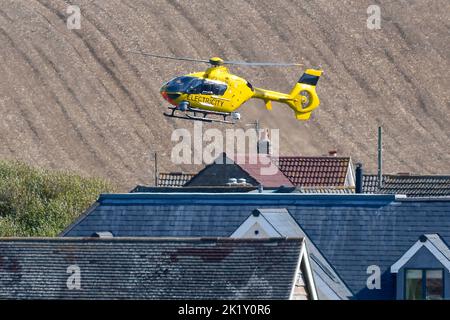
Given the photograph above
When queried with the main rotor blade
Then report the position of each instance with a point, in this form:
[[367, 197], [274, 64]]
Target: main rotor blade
[[240, 63], [168, 57], [262, 64]]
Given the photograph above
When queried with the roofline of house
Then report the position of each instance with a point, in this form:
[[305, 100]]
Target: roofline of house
[[283, 198], [147, 239], [250, 196], [313, 157], [423, 199], [397, 175], [177, 173], [224, 187]]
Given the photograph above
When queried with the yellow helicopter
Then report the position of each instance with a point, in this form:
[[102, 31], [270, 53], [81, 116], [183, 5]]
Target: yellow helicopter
[[215, 94]]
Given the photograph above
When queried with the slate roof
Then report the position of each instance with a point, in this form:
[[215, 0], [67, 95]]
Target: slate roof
[[327, 281], [315, 171], [148, 268], [351, 231], [281, 221], [174, 179], [409, 185]]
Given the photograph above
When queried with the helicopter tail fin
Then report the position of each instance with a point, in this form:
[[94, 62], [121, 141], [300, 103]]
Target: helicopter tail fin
[[309, 78], [302, 116], [304, 96]]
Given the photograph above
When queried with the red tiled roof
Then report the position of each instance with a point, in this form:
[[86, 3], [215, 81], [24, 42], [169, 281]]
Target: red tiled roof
[[262, 169], [314, 171]]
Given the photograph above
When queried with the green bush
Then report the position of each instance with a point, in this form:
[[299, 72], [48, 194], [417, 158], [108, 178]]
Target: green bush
[[38, 202]]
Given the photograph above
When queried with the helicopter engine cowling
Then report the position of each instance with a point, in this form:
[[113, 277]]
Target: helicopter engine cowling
[[183, 106]]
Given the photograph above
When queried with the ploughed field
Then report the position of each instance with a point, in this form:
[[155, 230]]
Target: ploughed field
[[76, 100]]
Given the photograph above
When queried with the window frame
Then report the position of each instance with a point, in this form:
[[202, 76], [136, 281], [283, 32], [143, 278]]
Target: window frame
[[424, 281]]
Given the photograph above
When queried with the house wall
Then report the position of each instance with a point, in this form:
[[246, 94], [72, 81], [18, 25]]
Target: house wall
[[300, 290], [350, 178], [423, 259]]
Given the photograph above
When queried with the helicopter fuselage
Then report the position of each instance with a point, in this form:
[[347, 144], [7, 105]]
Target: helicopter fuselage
[[215, 90]]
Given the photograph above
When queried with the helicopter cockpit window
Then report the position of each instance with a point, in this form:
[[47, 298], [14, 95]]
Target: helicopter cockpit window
[[179, 84], [195, 87], [207, 87]]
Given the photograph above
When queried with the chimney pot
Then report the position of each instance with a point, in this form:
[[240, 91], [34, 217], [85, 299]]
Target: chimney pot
[[242, 181], [102, 234], [332, 153]]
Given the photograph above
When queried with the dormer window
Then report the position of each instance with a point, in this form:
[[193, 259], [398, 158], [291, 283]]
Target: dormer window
[[423, 272], [424, 284]]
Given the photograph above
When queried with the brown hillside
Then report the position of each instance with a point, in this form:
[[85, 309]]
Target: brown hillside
[[74, 99]]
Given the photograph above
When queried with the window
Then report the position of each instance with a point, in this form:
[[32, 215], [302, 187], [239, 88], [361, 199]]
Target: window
[[207, 87], [424, 284], [178, 84], [434, 285]]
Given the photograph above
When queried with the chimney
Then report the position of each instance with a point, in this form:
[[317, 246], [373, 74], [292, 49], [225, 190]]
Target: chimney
[[264, 142], [332, 153], [359, 178]]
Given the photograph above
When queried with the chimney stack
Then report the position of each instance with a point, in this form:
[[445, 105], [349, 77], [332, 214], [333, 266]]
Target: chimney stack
[[332, 153], [359, 178], [264, 142]]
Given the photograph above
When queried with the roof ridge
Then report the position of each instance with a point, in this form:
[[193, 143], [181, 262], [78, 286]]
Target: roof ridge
[[147, 239], [313, 157], [409, 176]]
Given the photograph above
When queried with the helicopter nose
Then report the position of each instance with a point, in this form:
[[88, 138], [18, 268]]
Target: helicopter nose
[[165, 96], [170, 97]]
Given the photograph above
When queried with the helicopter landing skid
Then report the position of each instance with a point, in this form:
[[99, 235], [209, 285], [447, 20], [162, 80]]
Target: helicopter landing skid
[[191, 114]]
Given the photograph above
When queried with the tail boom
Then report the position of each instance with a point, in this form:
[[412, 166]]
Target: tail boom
[[302, 99]]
